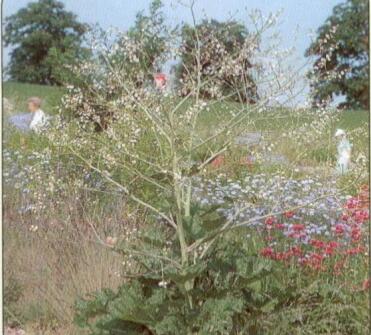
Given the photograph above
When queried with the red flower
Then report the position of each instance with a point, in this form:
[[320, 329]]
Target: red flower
[[316, 257], [329, 251], [355, 251], [282, 256], [339, 229], [317, 243], [218, 161], [267, 252], [297, 235], [296, 250], [303, 261], [315, 261], [356, 234], [298, 227], [280, 226], [269, 221], [345, 217], [289, 214], [160, 80], [352, 203], [333, 244], [361, 216]]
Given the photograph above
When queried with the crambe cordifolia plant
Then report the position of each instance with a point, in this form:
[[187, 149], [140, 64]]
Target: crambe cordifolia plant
[[167, 153]]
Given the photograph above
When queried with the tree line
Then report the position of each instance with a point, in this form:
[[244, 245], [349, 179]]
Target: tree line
[[45, 37]]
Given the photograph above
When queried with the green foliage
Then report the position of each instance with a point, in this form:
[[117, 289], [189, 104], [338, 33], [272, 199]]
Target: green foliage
[[218, 42], [151, 33], [342, 49], [322, 308], [45, 37], [322, 155], [120, 69], [233, 291], [226, 295], [230, 290], [18, 93]]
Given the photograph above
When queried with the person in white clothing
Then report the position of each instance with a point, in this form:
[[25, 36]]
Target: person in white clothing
[[38, 118], [344, 151]]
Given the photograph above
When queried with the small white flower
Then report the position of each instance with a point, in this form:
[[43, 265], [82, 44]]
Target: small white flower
[[34, 228], [163, 284]]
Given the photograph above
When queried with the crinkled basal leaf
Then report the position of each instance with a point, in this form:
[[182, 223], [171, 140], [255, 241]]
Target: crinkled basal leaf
[[153, 236], [188, 273], [112, 326], [170, 324], [255, 285], [202, 221], [216, 315], [269, 306], [252, 267], [129, 305], [97, 305], [212, 221], [129, 312], [193, 228], [146, 306]]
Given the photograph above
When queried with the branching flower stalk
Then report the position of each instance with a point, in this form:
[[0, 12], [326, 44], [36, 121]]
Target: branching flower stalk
[[151, 145]]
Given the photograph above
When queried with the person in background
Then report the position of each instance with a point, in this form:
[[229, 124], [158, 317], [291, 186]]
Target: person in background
[[38, 118], [344, 151], [160, 81]]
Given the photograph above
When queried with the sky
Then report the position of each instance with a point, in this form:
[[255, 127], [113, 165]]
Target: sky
[[298, 20]]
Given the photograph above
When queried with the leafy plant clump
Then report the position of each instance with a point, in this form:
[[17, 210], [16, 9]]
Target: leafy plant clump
[[221, 293]]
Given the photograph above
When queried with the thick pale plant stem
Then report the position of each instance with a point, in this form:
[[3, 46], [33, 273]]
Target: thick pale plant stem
[[179, 215], [187, 210]]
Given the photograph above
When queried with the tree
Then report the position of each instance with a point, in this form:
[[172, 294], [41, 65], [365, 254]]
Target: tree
[[119, 62], [151, 34], [42, 33], [342, 63], [140, 51], [224, 54]]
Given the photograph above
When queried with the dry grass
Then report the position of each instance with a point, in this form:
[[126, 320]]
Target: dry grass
[[53, 266]]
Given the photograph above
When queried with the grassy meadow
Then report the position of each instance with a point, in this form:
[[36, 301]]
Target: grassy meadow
[[18, 93], [57, 254], [274, 127]]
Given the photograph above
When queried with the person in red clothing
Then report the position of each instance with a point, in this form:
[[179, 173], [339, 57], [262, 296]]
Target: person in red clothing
[[160, 80]]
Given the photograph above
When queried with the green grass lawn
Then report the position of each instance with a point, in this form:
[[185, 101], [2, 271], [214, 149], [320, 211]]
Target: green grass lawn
[[276, 122], [18, 93], [351, 119]]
